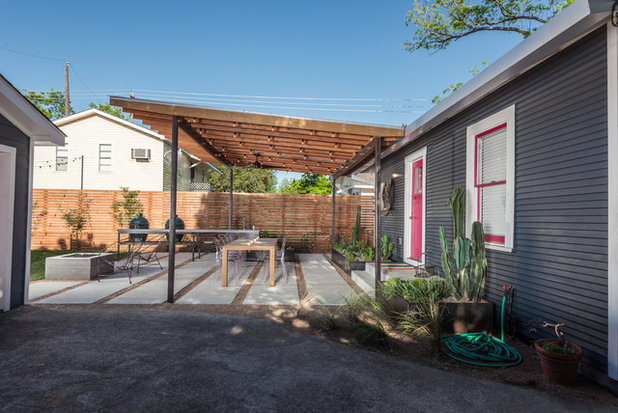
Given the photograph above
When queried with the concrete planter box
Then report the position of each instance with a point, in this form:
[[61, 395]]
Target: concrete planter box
[[86, 266], [339, 259]]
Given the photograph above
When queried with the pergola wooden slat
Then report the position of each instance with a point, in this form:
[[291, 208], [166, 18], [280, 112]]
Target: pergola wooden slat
[[283, 142], [235, 138]]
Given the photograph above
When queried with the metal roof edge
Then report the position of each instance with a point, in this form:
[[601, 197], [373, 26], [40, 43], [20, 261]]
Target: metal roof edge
[[247, 112], [573, 22]]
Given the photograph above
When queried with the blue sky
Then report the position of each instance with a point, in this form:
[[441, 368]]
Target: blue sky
[[312, 49]]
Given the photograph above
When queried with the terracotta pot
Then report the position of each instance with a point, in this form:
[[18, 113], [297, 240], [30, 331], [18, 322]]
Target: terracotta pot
[[559, 368]]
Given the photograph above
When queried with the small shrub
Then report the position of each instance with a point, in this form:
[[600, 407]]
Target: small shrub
[[319, 317], [123, 211], [307, 244], [416, 290], [366, 317], [76, 219], [426, 314]]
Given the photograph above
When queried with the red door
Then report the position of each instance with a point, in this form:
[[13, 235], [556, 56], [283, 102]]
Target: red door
[[416, 215]]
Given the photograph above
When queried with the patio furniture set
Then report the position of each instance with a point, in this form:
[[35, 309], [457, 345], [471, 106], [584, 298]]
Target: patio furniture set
[[231, 245]]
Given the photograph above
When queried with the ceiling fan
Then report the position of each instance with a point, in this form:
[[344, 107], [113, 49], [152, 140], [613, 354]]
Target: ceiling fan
[[259, 165]]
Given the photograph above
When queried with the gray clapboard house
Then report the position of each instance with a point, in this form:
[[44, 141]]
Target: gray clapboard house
[[22, 127], [533, 139]]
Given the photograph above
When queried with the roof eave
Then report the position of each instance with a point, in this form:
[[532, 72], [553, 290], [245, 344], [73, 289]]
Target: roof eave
[[26, 117]]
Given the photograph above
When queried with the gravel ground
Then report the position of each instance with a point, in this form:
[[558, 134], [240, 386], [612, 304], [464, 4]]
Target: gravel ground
[[132, 358]]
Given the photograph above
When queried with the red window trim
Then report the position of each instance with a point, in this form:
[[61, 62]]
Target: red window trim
[[488, 237]]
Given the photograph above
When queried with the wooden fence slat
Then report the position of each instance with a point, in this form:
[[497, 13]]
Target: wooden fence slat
[[294, 215]]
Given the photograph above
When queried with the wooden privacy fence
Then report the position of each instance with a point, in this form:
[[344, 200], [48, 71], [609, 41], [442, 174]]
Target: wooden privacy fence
[[305, 219]]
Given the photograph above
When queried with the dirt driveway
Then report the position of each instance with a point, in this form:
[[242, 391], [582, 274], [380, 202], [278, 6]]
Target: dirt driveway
[[90, 358]]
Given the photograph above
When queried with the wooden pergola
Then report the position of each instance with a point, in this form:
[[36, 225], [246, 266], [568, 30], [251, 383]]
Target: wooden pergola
[[249, 139]]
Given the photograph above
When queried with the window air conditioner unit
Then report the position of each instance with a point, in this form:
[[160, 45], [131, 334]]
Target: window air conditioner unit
[[140, 154]]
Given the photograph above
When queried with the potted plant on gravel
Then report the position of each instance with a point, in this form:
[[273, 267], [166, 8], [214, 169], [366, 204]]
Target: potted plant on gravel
[[465, 268], [559, 358]]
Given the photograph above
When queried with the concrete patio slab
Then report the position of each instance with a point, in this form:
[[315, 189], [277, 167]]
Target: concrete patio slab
[[43, 287], [210, 290], [155, 291], [94, 290], [285, 291], [324, 284]]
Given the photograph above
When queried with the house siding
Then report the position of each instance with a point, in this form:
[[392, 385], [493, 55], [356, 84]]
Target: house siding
[[13, 137], [559, 262], [83, 139]]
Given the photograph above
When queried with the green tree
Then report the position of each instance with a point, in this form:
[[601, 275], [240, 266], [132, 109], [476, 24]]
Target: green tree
[[245, 180], [438, 23], [455, 86], [50, 103], [308, 184], [112, 110]]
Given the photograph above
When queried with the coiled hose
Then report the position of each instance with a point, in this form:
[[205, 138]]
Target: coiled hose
[[481, 349]]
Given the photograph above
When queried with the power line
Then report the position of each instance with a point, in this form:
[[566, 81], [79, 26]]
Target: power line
[[224, 100], [72, 67], [298, 108], [259, 96], [32, 55]]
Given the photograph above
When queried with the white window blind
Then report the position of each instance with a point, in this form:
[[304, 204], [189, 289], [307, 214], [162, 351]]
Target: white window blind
[[492, 157], [105, 157], [62, 157], [491, 183]]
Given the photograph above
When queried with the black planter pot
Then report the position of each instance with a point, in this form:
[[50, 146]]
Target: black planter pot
[[465, 318], [339, 259]]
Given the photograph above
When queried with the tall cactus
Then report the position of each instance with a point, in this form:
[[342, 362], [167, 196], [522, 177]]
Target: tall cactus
[[357, 226], [458, 205], [466, 268]]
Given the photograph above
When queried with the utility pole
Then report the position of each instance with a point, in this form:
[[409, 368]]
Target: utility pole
[[67, 105]]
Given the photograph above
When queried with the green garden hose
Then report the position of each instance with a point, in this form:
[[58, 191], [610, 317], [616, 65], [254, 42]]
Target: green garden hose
[[481, 349]]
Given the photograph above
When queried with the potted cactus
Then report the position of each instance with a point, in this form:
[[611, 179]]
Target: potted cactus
[[465, 269]]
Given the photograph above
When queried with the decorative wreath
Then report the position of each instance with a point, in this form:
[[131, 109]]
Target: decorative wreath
[[386, 197]]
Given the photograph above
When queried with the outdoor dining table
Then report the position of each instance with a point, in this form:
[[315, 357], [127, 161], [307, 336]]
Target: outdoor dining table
[[244, 244]]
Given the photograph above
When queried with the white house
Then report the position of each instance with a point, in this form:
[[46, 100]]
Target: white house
[[102, 151], [357, 184]]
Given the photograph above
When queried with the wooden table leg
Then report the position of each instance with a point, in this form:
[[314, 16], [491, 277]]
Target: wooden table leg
[[273, 258], [224, 267]]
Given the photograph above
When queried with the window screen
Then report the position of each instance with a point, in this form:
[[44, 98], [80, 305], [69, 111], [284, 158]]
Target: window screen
[[105, 157]]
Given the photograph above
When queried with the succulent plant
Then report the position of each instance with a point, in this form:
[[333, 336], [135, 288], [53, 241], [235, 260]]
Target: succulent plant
[[466, 267]]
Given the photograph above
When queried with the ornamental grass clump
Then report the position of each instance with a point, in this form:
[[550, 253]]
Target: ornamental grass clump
[[426, 311]]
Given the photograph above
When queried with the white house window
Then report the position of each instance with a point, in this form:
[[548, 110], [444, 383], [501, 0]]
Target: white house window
[[105, 157], [62, 157], [490, 178]]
